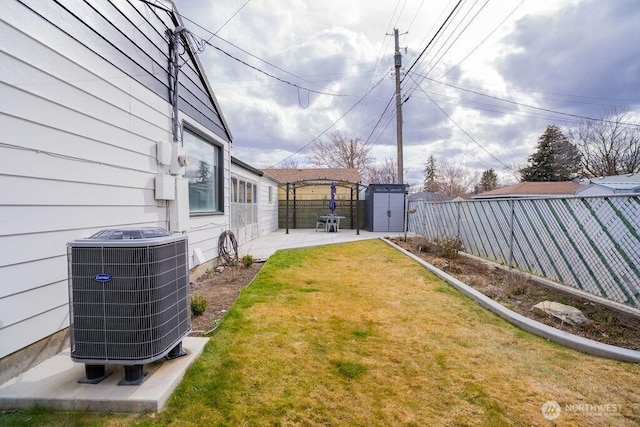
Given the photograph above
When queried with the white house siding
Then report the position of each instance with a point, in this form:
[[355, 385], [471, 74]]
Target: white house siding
[[78, 140], [268, 206], [250, 221]]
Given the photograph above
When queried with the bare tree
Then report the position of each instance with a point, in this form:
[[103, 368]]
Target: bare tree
[[454, 179], [290, 163], [386, 173], [610, 146], [341, 152]]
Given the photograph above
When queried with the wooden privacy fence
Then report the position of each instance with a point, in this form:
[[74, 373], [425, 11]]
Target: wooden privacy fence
[[589, 243], [302, 213]]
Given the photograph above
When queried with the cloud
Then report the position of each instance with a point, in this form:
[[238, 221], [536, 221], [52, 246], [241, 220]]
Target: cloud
[[573, 56], [579, 59]]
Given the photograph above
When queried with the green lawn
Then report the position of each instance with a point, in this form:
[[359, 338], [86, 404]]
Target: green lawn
[[358, 334]]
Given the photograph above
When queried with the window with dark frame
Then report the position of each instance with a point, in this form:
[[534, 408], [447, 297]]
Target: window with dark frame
[[203, 173]]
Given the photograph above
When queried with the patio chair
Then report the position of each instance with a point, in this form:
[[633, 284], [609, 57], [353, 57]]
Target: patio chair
[[333, 223], [321, 222]]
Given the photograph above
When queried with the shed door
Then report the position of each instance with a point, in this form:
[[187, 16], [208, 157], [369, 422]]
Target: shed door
[[388, 211]]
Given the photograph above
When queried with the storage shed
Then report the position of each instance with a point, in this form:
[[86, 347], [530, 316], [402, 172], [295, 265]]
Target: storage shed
[[385, 207]]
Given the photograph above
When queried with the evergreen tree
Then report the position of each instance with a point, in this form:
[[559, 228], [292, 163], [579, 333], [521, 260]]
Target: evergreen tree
[[556, 159], [488, 181], [204, 172], [430, 182]]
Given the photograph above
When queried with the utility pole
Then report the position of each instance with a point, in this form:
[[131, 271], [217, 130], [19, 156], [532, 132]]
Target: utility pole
[[398, 64]]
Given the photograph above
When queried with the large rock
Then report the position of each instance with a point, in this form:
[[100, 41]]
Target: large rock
[[566, 313]]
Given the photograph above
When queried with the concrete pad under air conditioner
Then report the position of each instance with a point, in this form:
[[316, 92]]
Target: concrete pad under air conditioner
[[54, 384]]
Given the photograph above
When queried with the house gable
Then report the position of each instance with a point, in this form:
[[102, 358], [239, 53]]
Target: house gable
[[133, 36]]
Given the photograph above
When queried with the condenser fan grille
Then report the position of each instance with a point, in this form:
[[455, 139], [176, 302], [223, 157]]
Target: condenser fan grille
[[129, 299]]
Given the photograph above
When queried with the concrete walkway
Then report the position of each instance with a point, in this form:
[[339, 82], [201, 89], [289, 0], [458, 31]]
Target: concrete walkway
[[263, 247], [54, 382]]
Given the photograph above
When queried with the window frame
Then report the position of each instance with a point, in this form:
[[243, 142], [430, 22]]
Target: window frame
[[218, 170]]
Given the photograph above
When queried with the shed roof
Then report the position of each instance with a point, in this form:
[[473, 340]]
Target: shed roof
[[314, 174]]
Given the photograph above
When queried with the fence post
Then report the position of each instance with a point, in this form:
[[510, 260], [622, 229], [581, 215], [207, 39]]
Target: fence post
[[511, 233], [458, 221]]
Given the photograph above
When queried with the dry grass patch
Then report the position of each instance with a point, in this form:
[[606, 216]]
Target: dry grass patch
[[358, 334]]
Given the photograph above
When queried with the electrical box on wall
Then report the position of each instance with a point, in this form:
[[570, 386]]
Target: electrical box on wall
[[163, 152], [165, 187], [179, 207]]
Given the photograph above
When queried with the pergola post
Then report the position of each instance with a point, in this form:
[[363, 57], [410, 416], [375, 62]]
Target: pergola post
[[287, 211]]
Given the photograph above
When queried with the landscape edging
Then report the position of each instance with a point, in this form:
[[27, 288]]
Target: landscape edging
[[567, 339]]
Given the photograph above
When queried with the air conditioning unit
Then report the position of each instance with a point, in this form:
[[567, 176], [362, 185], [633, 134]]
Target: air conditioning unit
[[128, 300]]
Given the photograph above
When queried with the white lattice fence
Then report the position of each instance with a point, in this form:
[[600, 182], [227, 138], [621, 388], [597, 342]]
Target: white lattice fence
[[590, 243]]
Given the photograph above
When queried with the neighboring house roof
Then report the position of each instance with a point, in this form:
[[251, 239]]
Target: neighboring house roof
[[532, 189], [429, 196], [613, 180], [246, 166], [320, 175], [627, 183]]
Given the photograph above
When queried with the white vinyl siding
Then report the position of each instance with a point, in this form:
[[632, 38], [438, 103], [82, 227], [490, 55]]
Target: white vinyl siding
[[251, 215], [78, 141], [81, 152]]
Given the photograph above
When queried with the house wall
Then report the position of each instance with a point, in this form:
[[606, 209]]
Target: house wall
[[268, 208], [249, 222], [79, 127]]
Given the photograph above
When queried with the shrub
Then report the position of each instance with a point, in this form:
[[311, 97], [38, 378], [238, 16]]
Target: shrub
[[448, 247], [247, 260], [198, 304]]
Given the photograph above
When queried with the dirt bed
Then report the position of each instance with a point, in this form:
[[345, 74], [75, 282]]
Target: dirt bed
[[520, 294], [220, 289]]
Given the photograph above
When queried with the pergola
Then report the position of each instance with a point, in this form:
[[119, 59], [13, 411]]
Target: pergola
[[291, 186]]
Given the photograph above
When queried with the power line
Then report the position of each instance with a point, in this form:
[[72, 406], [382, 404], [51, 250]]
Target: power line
[[330, 126], [467, 133], [271, 75], [200, 40], [433, 38], [526, 105], [415, 16], [485, 39], [386, 108], [230, 18], [459, 34]]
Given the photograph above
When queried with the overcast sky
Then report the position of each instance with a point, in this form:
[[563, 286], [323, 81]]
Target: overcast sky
[[574, 57]]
